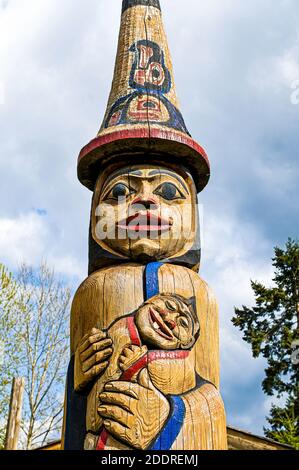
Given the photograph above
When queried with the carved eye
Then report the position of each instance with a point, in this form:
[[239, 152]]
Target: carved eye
[[120, 190], [169, 192], [170, 306], [184, 322]]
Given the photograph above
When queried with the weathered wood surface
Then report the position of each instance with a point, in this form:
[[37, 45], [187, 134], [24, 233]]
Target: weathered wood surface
[[143, 114], [94, 305], [109, 316], [115, 292], [15, 414], [144, 371]]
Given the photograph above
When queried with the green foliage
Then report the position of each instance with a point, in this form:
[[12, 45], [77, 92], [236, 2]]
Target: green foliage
[[34, 314], [284, 425], [2, 438], [9, 358], [270, 327]]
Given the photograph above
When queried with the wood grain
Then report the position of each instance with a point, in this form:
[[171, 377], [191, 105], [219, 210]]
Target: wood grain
[[144, 325], [94, 305]]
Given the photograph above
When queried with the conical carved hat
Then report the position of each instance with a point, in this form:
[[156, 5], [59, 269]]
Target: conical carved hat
[[143, 121]]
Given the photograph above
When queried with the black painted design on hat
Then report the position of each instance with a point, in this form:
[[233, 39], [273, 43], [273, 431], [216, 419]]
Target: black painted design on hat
[[133, 3]]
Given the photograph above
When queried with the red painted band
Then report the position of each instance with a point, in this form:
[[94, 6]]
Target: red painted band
[[102, 440], [133, 332], [143, 133], [151, 357], [140, 364]]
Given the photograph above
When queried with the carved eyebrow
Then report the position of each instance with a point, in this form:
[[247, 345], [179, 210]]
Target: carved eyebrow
[[123, 172], [168, 173], [152, 173]]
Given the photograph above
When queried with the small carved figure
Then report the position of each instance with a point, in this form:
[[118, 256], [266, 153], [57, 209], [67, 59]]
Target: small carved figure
[[163, 323], [168, 322]]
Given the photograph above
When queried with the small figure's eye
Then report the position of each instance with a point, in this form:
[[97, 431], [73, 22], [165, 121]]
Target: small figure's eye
[[169, 192], [170, 306], [184, 322], [120, 190]]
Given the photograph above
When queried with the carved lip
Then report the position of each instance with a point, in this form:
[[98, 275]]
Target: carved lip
[[146, 222], [163, 331]]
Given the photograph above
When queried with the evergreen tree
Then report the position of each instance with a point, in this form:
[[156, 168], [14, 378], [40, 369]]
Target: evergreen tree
[[271, 327]]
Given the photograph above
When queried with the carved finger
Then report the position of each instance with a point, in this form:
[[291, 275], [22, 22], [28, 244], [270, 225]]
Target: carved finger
[[96, 359], [91, 338], [132, 349], [118, 399], [122, 364], [128, 388], [118, 430], [96, 370], [114, 412], [123, 360], [99, 346], [92, 332], [127, 352]]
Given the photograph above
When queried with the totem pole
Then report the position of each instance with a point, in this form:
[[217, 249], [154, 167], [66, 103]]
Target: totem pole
[[144, 370]]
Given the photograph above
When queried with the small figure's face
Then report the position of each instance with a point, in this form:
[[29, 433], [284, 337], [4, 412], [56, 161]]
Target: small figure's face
[[145, 212], [167, 322]]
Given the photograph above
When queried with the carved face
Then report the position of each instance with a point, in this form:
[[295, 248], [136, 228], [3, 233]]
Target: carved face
[[145, 212], [167, 322]]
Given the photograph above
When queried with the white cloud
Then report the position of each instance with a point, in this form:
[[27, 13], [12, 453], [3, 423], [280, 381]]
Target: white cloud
[[288, 65], [28, 238], [234, 64], [69, 266], [234, 254], [22, 238], [2, 93]]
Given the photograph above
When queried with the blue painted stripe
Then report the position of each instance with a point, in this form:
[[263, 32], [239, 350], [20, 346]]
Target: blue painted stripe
[[173, 427], [178, 411], [152, 280]]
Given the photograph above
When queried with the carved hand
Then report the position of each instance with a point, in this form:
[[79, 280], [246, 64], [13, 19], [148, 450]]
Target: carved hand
[[134, 413], [130, 356], [91, 357]]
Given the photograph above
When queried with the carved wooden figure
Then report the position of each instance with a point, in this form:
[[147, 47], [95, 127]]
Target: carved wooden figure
[[144, 372]]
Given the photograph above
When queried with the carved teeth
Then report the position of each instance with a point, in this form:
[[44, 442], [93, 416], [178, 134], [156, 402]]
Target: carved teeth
[[156, 326]]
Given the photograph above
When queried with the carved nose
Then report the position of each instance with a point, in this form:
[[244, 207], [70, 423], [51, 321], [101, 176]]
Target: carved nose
[[170, 323], [146, 203]]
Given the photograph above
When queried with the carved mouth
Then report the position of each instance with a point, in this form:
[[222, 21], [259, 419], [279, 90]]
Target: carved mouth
[[159, 326], [145, 222]]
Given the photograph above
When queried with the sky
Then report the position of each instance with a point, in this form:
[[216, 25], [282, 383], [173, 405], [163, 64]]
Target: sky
[[237, 74]]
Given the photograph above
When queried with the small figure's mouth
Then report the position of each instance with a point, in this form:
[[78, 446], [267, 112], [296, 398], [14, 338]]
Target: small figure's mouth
[[159, 325], [146, 222]]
